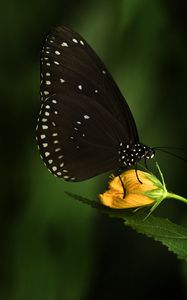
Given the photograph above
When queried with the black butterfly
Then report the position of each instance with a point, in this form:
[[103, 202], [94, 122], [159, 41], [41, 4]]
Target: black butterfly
[[85, 126]]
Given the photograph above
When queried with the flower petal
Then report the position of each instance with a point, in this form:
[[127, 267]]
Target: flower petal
[[134, 190]]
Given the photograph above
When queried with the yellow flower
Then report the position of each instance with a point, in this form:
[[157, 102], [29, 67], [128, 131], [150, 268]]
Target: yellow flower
[[137, 194]]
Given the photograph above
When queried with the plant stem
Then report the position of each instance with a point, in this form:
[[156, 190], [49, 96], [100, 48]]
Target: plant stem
[[171, 195]]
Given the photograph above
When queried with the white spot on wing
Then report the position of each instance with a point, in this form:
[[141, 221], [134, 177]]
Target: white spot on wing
[[64, 44]]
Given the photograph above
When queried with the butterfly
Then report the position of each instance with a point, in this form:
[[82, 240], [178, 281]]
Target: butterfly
[[85, 126]]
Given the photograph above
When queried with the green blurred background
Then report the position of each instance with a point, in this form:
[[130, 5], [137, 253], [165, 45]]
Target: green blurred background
[[53, 247]]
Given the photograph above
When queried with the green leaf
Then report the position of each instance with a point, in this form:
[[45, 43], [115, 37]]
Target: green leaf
[[104, 209], [84, 200], [171, 235]]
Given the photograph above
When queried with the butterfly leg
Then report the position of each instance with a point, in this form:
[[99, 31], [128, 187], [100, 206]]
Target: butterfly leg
[[136, 171], [145, 161], [122, 186]]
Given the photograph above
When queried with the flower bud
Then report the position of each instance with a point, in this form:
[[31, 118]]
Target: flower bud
[[139, 191]]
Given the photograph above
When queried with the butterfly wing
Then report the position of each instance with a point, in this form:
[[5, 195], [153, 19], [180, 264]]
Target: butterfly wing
[[72, 59], [83, 116], [77, 139]]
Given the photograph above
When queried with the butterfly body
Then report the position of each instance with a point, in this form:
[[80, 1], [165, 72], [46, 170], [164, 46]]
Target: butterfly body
[[85, 126], [132, 154]]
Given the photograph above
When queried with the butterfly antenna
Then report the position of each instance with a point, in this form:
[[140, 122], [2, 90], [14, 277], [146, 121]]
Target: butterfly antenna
[[173, 148], [171, 153]]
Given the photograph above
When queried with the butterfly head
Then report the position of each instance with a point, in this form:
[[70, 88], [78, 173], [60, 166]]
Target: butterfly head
[[149, 152], [130, 154]]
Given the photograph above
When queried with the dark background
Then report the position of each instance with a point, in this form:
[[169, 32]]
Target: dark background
[[52, 247]]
